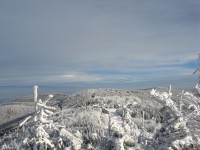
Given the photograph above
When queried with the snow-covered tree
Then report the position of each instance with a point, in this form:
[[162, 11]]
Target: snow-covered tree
[[175, 126], [38, 132]]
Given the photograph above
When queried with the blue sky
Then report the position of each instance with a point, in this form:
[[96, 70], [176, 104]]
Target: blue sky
[[99, 42]]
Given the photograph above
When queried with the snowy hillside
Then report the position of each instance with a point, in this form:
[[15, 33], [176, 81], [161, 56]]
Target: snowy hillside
[[107, 119]]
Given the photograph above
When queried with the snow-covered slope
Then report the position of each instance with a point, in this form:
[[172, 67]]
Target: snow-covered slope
[[119, 119]]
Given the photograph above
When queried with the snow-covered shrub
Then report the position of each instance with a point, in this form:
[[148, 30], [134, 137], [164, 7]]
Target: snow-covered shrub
[[12, 111], [182, 143], [175, 124], [165, 98], [129, 140], [117, 131], [119, 144], [88, 121], [74, 141]]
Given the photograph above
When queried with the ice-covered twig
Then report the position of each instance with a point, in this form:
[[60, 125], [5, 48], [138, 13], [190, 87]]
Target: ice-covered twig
[[195, 106], [25, 120], [196, 109], [35, 93], [49, 97], [44, 121], [48, 112], [46, 107]]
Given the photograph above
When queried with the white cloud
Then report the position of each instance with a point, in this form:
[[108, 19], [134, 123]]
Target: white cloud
[[79, 77]]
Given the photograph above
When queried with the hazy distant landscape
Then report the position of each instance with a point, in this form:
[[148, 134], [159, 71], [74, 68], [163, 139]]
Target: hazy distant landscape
[[10, 93]]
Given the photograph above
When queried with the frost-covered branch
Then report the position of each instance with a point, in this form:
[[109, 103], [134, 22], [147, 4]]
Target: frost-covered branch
[[166, 99], [46, 107], [25, 120], [195, 105], [35, 93], [49, 97], [197, 88]]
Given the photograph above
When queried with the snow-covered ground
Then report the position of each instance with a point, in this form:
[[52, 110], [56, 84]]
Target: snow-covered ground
[[107, 119]]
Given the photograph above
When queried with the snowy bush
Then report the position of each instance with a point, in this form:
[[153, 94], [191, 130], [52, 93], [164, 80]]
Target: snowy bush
[[174, 125]]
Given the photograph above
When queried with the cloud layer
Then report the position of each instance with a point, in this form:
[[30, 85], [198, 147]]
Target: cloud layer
[[97, 41]]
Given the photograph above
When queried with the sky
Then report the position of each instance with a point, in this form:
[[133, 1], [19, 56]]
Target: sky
[[99, 42]]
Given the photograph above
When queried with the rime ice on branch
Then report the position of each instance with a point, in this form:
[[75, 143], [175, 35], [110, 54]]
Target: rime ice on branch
[[166, 99], [35, 93]]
